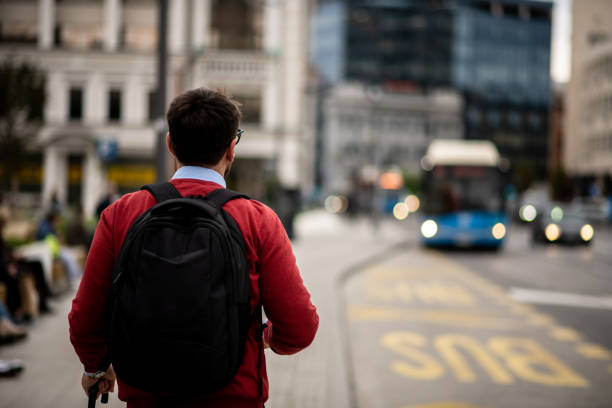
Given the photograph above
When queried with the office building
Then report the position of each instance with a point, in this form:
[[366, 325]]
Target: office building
[[370, 128], [496, 54]]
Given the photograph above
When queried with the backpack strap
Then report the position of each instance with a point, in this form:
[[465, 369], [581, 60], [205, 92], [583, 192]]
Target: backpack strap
[[162, 191], [221, 196]]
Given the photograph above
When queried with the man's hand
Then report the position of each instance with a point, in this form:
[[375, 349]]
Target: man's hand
[[265, 343], [105, 384], [265, 334]]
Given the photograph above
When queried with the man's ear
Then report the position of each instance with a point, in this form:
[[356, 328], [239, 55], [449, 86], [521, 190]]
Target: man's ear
[[169, 144], [230, 152]]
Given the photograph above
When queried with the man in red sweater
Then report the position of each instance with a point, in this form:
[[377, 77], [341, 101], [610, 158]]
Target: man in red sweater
[[203, 133]]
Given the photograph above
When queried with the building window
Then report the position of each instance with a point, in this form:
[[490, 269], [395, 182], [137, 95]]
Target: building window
[[236, 24], [250, 107], [114, 105], [514, 119], [76, 104], [57, 36], [494, 118], [535, 120]]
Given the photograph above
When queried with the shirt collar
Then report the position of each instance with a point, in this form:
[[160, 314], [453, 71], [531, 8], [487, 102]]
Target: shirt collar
[[199, 173]]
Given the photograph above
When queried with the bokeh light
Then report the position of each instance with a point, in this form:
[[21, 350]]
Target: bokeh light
[[587, 232], [400, 211], [413, 203], [429, 228], [498, 231], [556, 214], [336, 204], [552, 232], [528, 213]]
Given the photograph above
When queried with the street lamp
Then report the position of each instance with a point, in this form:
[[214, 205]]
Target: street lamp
[[373, 95], [161, 161]]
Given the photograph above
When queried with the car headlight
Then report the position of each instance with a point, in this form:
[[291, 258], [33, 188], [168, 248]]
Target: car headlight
[[429, 228], [528, 213], [586, 232], [498, 231], [552, 232]]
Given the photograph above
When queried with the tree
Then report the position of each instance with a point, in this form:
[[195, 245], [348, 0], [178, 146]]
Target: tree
[[22, 100]]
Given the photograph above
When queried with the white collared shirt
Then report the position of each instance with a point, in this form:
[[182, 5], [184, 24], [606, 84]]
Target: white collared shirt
[[199, 173]]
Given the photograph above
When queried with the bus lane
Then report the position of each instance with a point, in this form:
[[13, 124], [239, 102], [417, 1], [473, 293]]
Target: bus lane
[[425, 331]]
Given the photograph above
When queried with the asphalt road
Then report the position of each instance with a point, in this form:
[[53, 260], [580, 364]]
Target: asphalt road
[[529, 326]]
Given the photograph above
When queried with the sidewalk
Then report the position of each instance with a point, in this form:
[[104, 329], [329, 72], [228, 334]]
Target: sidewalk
[[327, 246]]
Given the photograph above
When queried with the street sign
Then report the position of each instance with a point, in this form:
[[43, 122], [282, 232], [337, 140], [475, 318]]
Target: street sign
[[107, 149]]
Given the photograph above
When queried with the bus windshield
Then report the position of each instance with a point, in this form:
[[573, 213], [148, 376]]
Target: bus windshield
[[463, 188]]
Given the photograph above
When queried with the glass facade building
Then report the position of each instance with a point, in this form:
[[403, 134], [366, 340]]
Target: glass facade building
[[496, 53]]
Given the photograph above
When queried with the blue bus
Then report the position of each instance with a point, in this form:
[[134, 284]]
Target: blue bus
[[463, 195]]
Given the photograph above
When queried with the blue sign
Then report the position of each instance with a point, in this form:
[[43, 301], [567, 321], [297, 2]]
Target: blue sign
[[108, 150]]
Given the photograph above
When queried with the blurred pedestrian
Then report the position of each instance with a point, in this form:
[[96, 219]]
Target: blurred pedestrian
[[47, 226], [9, 331], [13, 272], [202, 138], [76, 235], [47, 231], [107, 199], [55, 207]]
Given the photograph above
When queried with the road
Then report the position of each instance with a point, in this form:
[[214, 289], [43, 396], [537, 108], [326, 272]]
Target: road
[[529, 326]]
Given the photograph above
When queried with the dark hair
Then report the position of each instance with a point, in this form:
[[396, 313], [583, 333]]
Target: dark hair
[[202, 124]]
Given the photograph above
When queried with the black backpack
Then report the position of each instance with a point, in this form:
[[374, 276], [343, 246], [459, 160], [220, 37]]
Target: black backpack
[[179, 310]]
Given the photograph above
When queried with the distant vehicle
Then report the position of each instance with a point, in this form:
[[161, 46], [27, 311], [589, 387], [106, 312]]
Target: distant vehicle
[[463, 192], [532, 202], [596, 210], [564, 225]]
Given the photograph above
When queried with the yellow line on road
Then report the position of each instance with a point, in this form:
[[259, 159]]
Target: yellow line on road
[[594, 351], [540, 319], [446, 404], [564, 334], [446, 317]]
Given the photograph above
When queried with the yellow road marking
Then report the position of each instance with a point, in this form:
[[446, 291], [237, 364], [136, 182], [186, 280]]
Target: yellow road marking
[[449, 346], [446, 317], [501, 358], [565, 334], [433, 292], [521, 309], [594, 351], [446, 404], [540, 319], [531, 362]]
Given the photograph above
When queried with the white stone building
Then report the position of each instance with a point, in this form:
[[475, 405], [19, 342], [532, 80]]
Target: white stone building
[[100, 60], [588, 142], [593, 155], [367, 128]]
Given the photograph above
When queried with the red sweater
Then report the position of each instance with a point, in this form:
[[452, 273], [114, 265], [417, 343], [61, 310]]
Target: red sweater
[[275, 283]]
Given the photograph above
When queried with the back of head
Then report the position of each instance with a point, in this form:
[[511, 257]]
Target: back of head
[[202, 124]]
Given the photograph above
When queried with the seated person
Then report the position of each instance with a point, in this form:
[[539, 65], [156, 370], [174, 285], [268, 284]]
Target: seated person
[[12, 272], [9, 331]]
